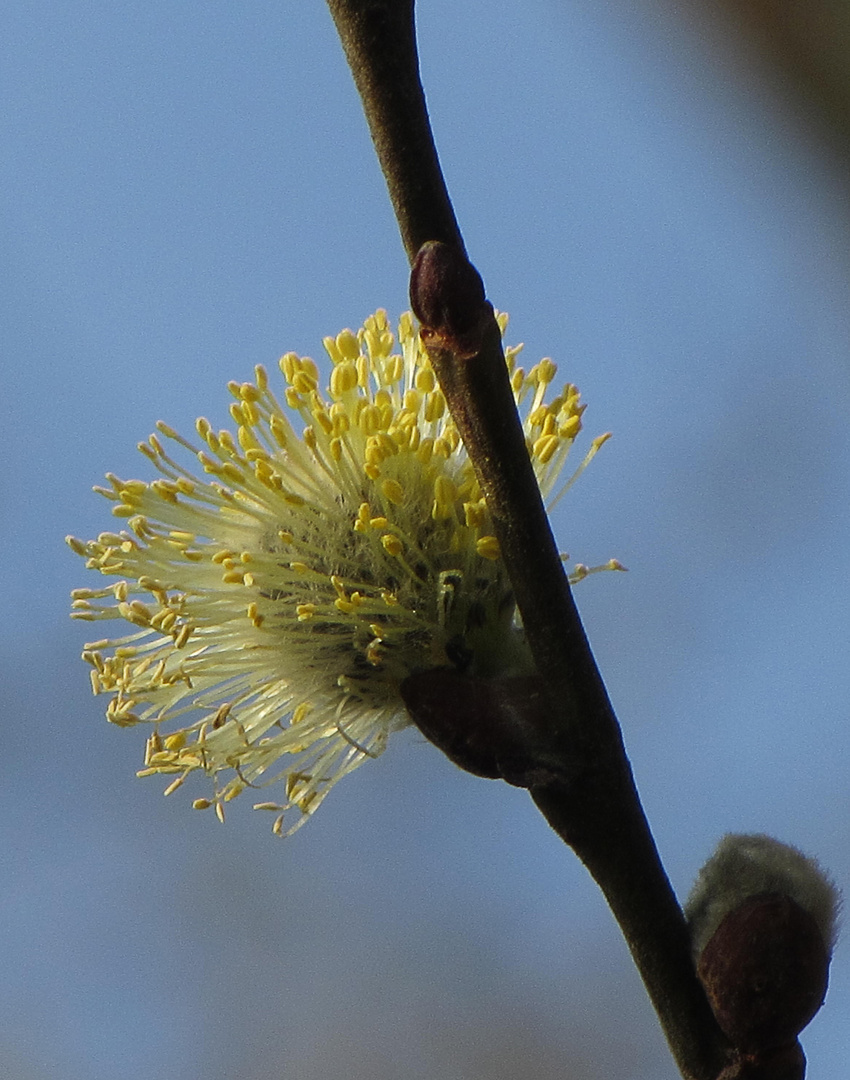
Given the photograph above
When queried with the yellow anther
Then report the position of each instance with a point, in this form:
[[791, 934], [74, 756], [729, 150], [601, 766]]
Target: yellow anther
[[183, 635], [288, 364], [164, 620], [394, 369], [445, 490], [308, 368], [143, 448], [247, 439], [475, 514], [176, 741], [488, 547], [209, 465], [537, 417], [393, 546], [369, 420], [301, 711], [305, 612], [570, 428], [546, 370], [280, 430], [201, 804], [393, 492], [126, 611], [545, 447], [323, 420], [331, 349], [600, 440], [348, 345], [341, 419], [140, 609], [425, 381], [343, 378], [435, 406]]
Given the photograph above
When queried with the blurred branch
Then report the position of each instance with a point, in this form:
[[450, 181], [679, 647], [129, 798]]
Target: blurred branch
[[808, 43], [584, 784]]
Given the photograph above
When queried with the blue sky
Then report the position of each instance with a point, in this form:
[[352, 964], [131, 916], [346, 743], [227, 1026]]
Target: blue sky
[[189, 190]]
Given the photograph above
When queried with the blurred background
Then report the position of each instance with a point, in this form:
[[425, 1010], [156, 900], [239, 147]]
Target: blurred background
[[660, 200]]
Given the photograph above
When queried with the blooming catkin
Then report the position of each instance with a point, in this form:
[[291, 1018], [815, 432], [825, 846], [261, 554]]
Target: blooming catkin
[[279, 585]]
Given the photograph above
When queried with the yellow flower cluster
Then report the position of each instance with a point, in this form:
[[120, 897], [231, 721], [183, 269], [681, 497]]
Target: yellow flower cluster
[[281, 589]]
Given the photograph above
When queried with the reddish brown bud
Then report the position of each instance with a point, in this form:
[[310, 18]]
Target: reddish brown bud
[[765, 972], [490, 727], [447, 296]]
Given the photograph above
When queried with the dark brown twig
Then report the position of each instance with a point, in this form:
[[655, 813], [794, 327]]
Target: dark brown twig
[[591, 802]]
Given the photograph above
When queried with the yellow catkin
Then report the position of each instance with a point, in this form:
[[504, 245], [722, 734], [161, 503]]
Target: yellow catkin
[[279, 581]]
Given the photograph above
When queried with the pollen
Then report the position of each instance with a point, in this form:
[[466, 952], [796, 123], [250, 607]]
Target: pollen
[[276, 589]]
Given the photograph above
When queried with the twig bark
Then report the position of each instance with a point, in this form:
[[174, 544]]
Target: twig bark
[[592, 802]]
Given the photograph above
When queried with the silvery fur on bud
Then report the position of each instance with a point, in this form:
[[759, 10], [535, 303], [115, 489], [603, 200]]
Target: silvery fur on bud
[[747, 864]]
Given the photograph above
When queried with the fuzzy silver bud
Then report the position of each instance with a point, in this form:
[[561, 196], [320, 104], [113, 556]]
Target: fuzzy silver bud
[[746, 864], [763, 920]]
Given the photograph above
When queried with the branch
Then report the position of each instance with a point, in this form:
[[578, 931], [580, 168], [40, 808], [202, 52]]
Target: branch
[[379, 40], [590, 800]]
